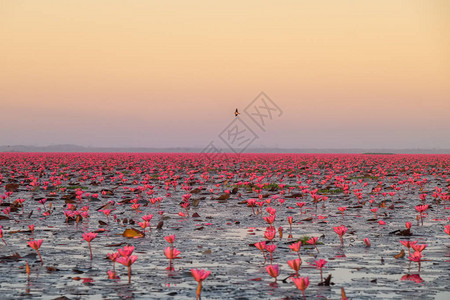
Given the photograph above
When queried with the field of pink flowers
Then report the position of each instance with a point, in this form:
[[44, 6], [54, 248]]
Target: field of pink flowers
[[185, 226]]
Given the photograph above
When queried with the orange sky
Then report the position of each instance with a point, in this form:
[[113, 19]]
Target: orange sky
[[170, 73]]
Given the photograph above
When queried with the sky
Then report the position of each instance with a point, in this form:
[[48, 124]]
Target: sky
[[142, 73]]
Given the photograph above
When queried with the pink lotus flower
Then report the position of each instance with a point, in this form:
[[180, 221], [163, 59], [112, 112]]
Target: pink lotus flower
[[295, 265], [340, 230], [113, 257], [408, 245], [419, 247], [270, 233], [313, 241], [290, 219], [170, 239], [171, 254], [1, 235], [269, 219], [417, 257], [144, 224], [88, 237], [302, 284], [319, 264], [31, 227], [296, 247], [127, 261], [126, 251], [271, 248], [421, 209], [273, 271], [107, 212], [447, 229], [199, 276], [112, 275], [36, 245], [261, 246], [374, 210], [251, 203], [342, 209]]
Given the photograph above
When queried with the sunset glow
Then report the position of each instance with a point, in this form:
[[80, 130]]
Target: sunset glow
[[347, 74]]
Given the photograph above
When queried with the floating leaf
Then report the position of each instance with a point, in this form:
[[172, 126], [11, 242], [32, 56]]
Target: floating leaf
[[400, 255], [160, 225], [224, 196], [115, 245], [106, 206], [11, 187], [133, 233], [19, 231], [51, 269], [406, 232], [15, 256]]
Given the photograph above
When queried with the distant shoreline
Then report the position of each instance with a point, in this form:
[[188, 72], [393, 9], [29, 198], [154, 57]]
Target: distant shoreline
[[76, 148]]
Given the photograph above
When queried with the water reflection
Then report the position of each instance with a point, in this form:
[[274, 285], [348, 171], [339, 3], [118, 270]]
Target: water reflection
[[412, 277]]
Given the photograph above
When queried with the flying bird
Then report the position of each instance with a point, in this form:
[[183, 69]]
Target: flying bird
[[236, 113]]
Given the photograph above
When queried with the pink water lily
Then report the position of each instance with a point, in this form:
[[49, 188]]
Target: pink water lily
[[278, 187], [36, 245], [302, 284], [1, 235], [295, 264], [313, 241], [126, 250], [171, 254], [199, 275], [340, 230], [273, 271], [127, 261], [88, 237], [261, 246], [319, 264], [447, 229]]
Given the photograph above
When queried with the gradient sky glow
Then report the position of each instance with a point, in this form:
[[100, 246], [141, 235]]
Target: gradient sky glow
[[347, 74]]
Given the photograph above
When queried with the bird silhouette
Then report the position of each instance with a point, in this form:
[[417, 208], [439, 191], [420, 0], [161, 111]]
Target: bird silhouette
[[236, 113]]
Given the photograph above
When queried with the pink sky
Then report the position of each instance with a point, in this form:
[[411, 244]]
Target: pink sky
[[346, 74]]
